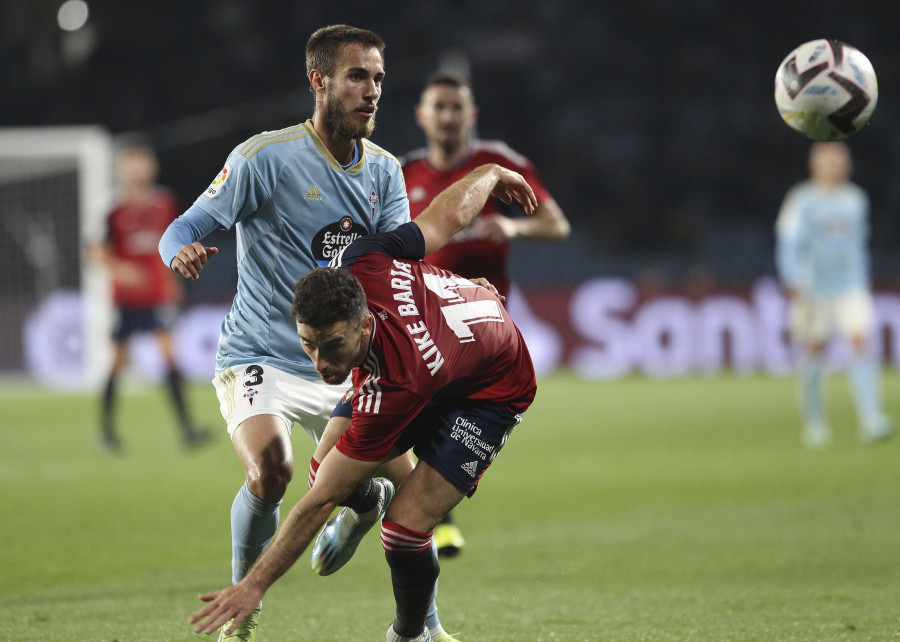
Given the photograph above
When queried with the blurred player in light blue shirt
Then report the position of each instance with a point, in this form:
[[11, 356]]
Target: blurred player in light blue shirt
[[823, 263]]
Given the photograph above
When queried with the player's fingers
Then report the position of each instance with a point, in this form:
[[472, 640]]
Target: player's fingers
[[525, 195], [184, 269], [185, 266], [211, 252]]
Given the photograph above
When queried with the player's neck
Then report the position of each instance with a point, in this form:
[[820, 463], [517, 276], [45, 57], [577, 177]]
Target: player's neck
[[440, 157], [340, 147], [829, 184]]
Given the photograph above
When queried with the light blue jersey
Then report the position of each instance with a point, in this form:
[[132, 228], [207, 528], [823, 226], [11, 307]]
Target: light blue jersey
[[822, 236], [294, 208]]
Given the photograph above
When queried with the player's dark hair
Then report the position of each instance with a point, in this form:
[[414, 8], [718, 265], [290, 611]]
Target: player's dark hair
[[326, 296], [447, 79], [324, 45]]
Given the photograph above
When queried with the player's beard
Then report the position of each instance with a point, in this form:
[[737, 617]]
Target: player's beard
[[450, 141], [344, 122]]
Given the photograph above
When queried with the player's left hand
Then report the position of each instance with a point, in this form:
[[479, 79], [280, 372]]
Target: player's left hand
[[495, 228], [483, 282], [236, 602]]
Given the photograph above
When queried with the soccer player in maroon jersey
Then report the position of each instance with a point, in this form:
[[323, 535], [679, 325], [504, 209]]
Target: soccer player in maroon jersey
[[144, 292], [437, 365], [447, 114]]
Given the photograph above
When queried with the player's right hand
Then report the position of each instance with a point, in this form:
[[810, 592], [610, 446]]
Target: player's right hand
[[191, 259]]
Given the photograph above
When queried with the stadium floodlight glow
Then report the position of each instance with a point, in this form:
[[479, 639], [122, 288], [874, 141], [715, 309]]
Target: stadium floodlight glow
[[72, 15]]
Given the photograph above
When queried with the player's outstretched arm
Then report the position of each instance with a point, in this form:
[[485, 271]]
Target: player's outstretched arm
[[337, 476], [454, 208]]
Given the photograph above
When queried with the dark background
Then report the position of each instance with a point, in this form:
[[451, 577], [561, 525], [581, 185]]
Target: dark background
[[652, 122]]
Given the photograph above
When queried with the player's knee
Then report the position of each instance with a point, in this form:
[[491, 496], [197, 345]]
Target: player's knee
[[269, 480]]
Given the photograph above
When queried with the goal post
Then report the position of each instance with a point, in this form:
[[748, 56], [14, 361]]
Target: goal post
[[56, 187]]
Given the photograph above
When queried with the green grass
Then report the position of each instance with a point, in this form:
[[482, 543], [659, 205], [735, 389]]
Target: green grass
[[625, 510]]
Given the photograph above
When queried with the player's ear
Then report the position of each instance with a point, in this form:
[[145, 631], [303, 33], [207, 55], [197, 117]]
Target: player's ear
[[317, 81]]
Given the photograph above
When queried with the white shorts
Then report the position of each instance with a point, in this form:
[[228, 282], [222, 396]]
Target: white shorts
[[248, 390], [814, 320]]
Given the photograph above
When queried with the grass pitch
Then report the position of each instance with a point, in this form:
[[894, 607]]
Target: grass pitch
[[626, 510]]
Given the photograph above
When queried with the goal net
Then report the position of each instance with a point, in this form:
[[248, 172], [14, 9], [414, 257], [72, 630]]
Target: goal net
[[55, 190]]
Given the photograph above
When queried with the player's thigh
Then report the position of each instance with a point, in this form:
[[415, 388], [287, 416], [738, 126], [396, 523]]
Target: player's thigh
[[459, 439], [248, 390], [854, 314], [811, 320], [423, 499]]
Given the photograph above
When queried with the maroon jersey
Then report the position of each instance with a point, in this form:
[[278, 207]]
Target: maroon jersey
[[133, 233], [435, 335], [465, 254]]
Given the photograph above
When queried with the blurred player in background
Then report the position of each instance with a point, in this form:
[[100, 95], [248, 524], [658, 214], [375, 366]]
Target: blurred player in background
[[296, 198], [448, 115], [823, 263], [145, 293], [374, 313]]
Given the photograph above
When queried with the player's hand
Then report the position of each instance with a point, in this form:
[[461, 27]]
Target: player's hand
[[191, 259], [510, 185], [495, 228], [483, 282], [236, 602]]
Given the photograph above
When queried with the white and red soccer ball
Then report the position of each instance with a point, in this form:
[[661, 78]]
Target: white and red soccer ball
[[826, 89]]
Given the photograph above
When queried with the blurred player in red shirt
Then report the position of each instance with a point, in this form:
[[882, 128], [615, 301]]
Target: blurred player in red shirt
[[447, 114], [145, 293]]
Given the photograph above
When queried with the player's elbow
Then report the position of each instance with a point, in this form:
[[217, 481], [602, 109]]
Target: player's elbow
[[562, 230]]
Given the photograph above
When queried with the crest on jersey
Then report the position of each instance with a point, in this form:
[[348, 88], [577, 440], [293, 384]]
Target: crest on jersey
[[417, 193], [334, 237], [216, 186]]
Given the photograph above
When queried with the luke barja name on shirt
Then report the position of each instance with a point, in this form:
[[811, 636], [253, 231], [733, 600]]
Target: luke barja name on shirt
[[401, 277]]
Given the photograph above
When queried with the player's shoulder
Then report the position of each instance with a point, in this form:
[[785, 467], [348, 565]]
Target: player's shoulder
[[379, 155], [497, 151], [857, 190], [413, 158], [802, 190], [278, 144]]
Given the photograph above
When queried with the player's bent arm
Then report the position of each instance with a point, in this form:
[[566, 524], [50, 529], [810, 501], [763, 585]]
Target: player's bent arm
[[549, 223], [454, 208], [179, 246]]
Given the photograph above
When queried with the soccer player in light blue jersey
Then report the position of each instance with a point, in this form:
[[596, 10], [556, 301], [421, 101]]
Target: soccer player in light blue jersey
[[823, 263], [295, 197]]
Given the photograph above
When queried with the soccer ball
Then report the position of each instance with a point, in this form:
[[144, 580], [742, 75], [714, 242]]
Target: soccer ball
[[826, 90]]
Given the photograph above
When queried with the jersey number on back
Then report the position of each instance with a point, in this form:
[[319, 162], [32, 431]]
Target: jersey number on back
[[460, 314]]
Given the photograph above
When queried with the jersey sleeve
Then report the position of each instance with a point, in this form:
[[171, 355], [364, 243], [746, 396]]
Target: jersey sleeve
[[396, 207], [193, 225], [235, 193], [788, 239], [404, 242], [372, 433]]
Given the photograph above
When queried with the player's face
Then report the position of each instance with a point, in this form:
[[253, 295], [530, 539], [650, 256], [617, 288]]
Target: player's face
[[137, 166], [336, 349], [830, 163], [351, 96], [447, 115]]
